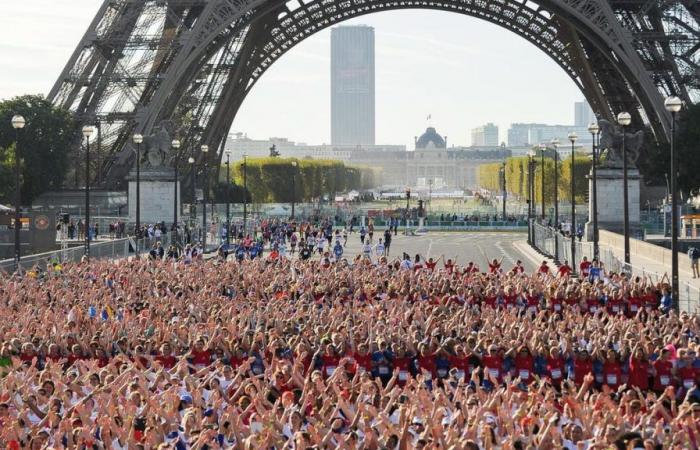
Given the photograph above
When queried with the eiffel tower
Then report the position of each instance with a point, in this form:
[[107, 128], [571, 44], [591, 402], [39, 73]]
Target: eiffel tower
[[187, 65]]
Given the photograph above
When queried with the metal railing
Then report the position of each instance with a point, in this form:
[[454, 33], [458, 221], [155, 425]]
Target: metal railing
[[543, 240]]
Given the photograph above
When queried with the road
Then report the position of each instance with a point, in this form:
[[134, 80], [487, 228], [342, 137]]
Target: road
[[465, 246]]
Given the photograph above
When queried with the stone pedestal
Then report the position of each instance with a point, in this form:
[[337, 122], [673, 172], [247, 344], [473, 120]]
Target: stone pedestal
[[157, 190], [610, 200]]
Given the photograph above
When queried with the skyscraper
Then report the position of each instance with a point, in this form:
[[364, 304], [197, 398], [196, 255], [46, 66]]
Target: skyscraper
[[485, 135], [352, 85], [583, 114]]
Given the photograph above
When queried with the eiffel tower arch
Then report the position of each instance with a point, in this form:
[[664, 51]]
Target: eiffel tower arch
[[191, 63]]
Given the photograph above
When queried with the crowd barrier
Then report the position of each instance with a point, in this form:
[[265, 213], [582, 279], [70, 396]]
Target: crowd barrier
[[545, 239]]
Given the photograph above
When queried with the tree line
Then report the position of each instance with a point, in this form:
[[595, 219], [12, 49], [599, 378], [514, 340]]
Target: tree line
[[516, 171], [279, 180]]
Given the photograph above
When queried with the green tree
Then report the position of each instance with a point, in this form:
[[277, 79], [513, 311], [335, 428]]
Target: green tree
[[44, 146]]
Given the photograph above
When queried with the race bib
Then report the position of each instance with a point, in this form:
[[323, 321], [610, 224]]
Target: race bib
[[556, 374], [532, 309], [688, 384], [428, 376], [330, 370], [594, 309], [634, 308], [612, 379], [403, 375], [557, 307], [665, 380], [616, 308], [494, 372], [460, 374], [524, 374], [442, 373], [383, 370]]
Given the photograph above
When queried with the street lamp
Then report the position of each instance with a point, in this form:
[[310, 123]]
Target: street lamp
[[205, 197], [175, 144], [408, 200], [624, 119], [573, 137], [193, 205], [555, 144], [294, 187], [503, 188], [673, 105], [18, 123], [138, 139], [245, 192], [530, 197], [543, 147], [228, 199], [87, 132], [594, 129]]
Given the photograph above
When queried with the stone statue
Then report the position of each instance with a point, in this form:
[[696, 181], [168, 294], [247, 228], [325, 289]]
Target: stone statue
[[156, 148], [611, 142]]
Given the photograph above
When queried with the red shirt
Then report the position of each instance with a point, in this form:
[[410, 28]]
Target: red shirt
[[544, 268], [430, 265], [364, 361], [494, 364], [404, 365], [493, 268], [639, 373], [555, 368], [564, 271], [687, 376], [328, 364], [612, 374], [202, 358], [427, 363], [585, 268], [662, 379], [524, 366], [582, 367], [461, 363]]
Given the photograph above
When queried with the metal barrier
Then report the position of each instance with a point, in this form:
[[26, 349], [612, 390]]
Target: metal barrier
[[114, 249]]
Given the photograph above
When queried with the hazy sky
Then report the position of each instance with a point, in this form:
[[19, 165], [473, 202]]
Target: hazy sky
[[463, 71]]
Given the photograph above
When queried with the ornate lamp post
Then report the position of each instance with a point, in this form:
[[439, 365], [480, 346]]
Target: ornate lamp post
[[624, 119], [228, 199], [87, 132], [205, 196], [673, 105], [555, 145], [408, 205], [594, 129], [18, 123], [573, 137], [138, 139], [530, 196], [542, 149], [175, 144], [294, 187], [245, 192], [503, 188], [193, 182]]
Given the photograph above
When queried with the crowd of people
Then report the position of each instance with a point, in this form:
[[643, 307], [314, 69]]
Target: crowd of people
[[360, 353]]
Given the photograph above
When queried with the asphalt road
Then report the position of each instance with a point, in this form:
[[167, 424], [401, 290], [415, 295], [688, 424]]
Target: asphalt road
[[478, 247]]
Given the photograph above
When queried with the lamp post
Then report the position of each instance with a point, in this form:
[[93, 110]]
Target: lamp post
[[503, 189], [175, 144], [87, 132], [542, 149], [205, 196], [18, 123], [245, 192], [138, 139], [530, 196], [408, 205], [193, 205], [594, 129], [673, 105], [294, 186], [624, 119], [573, 137], [228, 199], [555, 145]]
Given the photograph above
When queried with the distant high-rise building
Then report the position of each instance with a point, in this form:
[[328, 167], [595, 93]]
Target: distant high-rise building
[[519, 134], [352, 85], [583, 114], [485, 135]]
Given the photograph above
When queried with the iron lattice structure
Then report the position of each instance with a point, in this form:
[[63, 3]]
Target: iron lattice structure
[[189, 64]]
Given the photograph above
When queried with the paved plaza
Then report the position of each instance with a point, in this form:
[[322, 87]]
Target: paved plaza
[[464, 246]]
